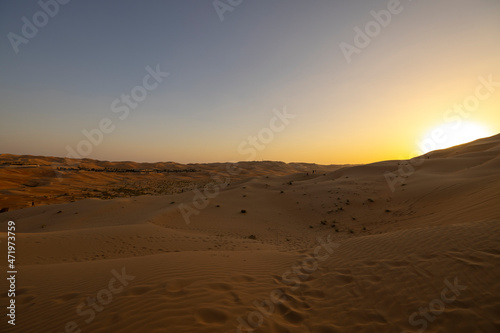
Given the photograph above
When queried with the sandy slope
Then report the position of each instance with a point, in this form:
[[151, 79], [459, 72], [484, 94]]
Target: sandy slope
[[37, 180], [339, 252]]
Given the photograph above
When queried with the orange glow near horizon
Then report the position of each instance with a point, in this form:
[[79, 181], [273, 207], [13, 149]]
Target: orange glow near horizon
[[448, 135], [413, 88]]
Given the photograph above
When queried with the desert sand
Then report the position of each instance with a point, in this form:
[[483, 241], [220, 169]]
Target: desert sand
[[394, 246]]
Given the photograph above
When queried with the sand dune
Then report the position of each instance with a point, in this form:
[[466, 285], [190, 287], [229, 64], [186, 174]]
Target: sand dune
[[280, 249], [36, 180]]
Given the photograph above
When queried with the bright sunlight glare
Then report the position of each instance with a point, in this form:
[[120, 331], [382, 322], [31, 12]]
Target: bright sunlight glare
[[449, 135]]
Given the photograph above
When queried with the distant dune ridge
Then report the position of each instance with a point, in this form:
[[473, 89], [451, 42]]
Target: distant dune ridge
[[424, 257], [38, 180]]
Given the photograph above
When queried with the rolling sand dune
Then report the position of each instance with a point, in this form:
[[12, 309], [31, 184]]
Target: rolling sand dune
[[36, 180], [280, 249]]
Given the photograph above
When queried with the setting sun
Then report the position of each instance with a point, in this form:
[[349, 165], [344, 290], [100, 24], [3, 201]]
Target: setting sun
[[236, 166], [449, 135]]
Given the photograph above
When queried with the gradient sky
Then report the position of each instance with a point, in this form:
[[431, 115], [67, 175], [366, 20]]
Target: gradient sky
[[226, 78]]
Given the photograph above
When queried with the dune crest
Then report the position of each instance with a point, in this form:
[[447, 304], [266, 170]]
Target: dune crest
[[279, 249]]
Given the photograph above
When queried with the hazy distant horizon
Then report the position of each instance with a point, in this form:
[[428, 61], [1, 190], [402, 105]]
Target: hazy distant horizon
[[213, 162], [212, 85]]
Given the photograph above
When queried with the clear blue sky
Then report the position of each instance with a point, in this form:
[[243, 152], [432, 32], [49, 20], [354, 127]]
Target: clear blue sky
[[226, 77]]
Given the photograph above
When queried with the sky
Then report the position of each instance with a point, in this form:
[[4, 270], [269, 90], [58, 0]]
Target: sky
[[320, 81]]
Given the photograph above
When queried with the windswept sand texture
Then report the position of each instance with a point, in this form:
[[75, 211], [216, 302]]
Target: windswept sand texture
[[433, 242]]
